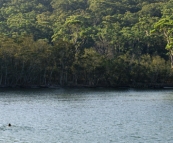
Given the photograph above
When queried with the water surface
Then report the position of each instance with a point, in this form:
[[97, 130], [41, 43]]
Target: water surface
[[86, 116]]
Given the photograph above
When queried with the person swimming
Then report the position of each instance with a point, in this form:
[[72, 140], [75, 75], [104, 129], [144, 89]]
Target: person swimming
[[9, 125]]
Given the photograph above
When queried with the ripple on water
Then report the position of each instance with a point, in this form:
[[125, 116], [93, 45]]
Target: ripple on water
[[10, 133], [15, 128], [86, 116]]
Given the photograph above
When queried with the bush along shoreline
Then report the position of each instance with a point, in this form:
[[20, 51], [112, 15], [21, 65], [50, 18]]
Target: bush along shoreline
[[28, 63]]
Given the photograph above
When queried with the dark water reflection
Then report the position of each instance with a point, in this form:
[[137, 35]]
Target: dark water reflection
[[86, 116]]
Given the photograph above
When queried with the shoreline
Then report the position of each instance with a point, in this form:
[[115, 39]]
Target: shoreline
[[134, 86]]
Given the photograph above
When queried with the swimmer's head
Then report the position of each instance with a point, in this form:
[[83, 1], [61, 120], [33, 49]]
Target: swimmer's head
[[9, 125]]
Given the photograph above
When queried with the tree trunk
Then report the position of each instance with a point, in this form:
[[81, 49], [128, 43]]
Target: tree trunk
[[171, 58]]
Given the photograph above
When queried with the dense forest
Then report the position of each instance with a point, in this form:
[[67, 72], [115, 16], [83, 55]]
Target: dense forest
[[86, 43]]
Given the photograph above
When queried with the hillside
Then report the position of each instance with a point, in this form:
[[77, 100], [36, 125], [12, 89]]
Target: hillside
[[86, 42]]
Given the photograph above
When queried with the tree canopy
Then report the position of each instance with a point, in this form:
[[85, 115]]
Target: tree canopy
[[86, 42]]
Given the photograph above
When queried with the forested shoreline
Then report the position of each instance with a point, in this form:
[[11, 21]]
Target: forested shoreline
[[90, 43]]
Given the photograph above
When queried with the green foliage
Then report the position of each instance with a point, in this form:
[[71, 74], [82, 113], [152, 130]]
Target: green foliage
[[90, 42]]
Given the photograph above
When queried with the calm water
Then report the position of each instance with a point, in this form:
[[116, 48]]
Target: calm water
[[86, 116]]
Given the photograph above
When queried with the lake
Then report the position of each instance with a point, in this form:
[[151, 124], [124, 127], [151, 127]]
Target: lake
[[86, 116]]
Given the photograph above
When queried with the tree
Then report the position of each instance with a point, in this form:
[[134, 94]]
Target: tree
[[165, 26], [63, 54]]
